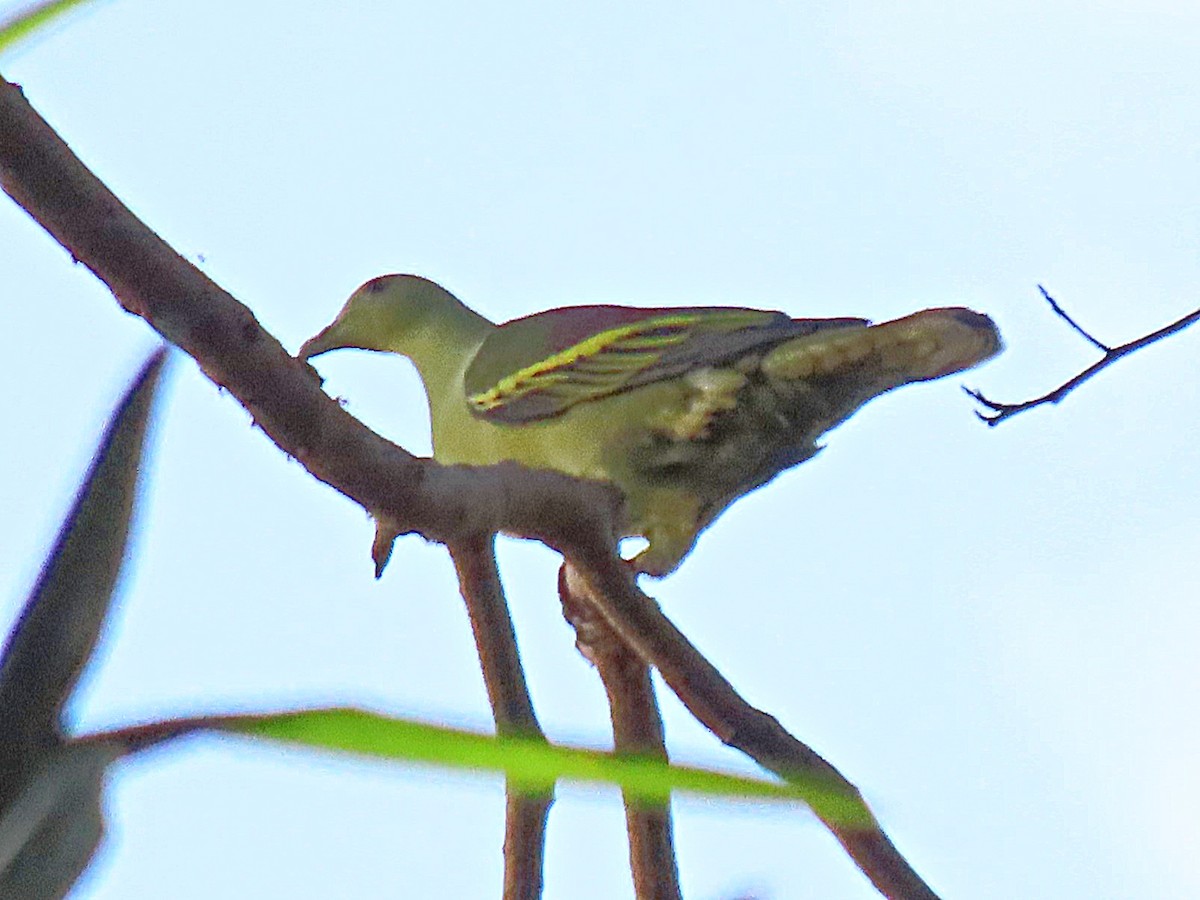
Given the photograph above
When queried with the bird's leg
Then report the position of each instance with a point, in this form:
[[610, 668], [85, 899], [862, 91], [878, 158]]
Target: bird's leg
[[670, 520]]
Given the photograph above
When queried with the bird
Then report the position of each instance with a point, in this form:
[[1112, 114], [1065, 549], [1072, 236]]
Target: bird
[[683, 409]]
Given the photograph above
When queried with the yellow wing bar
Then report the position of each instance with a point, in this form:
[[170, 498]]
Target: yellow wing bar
[[604, 362]]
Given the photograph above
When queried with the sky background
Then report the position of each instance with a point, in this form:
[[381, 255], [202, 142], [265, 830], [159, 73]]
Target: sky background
[[991, 632]]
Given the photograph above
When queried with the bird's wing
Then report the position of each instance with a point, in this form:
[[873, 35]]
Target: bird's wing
[[542, 365]]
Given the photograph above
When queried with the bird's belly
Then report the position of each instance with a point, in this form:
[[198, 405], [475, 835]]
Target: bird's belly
[[591, 440], [680, 451], [712, 435]]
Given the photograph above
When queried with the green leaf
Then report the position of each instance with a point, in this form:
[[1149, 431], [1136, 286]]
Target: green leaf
[[36, 17], [531, 764]]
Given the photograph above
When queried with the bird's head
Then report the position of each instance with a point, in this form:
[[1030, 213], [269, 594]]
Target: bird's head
[[381, 313]]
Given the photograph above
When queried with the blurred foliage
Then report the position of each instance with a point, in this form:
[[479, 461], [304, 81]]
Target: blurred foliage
[[50, 818], [33, 19]]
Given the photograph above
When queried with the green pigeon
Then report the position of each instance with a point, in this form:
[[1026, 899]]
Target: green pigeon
[[683, 409]]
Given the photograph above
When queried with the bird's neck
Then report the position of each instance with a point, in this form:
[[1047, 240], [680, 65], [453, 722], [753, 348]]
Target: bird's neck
[[442, 350]]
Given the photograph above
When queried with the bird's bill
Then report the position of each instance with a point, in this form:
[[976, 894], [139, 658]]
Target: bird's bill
[[344, 332], [319, 343]]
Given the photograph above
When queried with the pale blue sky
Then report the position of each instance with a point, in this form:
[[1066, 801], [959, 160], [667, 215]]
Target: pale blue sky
[[990, 632]]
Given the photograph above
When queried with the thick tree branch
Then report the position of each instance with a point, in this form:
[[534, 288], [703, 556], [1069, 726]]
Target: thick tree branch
[[1001, 411], [443, 503], [149, 279], [512, 708], [637, 729]]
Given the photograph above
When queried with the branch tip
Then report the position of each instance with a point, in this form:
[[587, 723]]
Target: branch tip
[[1111, 355], [1075, 326]]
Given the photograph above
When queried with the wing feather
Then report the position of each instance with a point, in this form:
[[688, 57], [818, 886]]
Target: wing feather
[[509, 381]]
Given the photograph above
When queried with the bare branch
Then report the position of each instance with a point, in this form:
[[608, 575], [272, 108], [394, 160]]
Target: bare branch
[[637, 729], [710, 697], [512, 708], [495, 638], [1001, 411], [283, 395], [524, 843], [443, 503]]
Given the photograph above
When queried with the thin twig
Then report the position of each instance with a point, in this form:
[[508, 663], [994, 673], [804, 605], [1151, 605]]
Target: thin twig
[[1062, 314], [1002, 411], [637, 729], [512, 708], [443, 503]]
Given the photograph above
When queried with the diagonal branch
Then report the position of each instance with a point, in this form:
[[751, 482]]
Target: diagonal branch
[[637, 729], [1001, 411], [512, 708], [284, 397], [710, 697], [443, 503]]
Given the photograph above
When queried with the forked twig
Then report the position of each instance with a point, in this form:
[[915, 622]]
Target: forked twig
[[1001, 411]]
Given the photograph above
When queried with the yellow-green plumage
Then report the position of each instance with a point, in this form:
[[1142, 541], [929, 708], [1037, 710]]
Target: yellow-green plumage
[[685, 410]]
